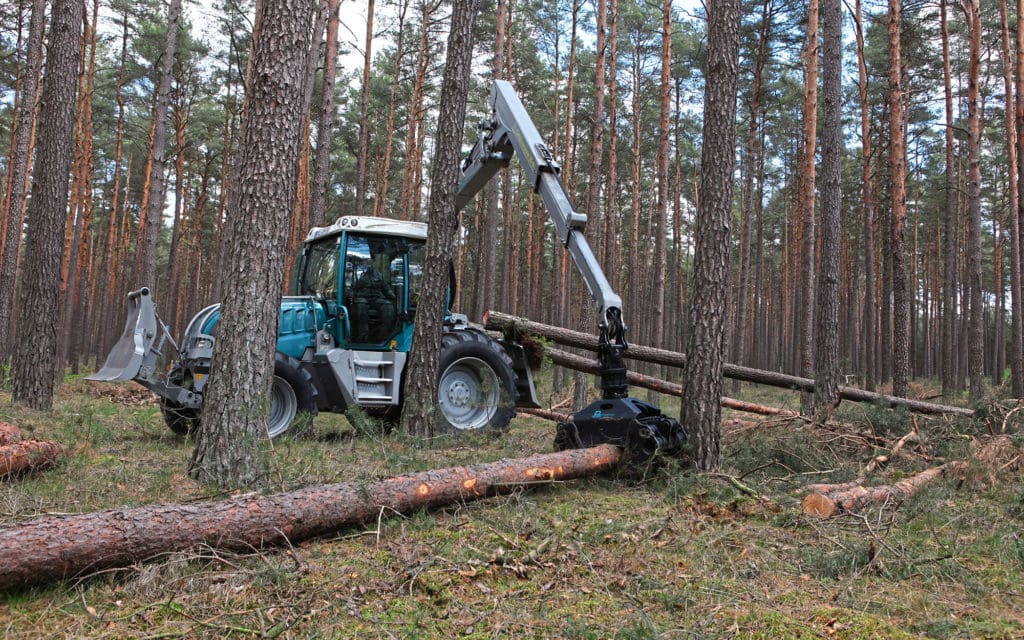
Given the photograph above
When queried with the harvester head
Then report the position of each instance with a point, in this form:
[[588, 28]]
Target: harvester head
[[639, 427]]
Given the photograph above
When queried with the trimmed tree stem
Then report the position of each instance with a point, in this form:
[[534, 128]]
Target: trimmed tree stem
[[572, 361], [498, 321], [826, 500], [53, 548]]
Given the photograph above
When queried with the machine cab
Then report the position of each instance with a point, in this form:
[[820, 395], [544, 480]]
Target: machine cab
[[367, 272]]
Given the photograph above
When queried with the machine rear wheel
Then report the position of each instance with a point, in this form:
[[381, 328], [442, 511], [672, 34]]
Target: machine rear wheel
[[292, 396], [476, 384]]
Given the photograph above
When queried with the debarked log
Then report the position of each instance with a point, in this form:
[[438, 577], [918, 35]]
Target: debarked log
[[497, 321], [826, 500], [53, 548], [27, 456]]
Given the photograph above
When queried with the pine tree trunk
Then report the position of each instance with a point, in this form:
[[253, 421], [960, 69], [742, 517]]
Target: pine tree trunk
[[318, 188], [976, 350], [950, 244], [869, 342], [35, 354], [234, 415], [420, 405], [406, 205], [381, 197], [609, 244], [152, 216], [739, 337], [701, 411], [661, 232], [826, 349], [807, 258], [18, 172], [898, 169], [1016, 304], [364, 106]]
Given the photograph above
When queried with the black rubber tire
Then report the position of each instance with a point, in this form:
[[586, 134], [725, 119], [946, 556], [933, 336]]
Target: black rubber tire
[[181, 420], [289, 372], [472, 355], [184, 421]]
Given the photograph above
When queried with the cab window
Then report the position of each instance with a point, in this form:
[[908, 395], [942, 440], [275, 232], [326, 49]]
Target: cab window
[[320, 274]]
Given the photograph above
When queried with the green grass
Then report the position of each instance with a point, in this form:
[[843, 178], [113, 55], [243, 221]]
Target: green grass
[[674, 555]]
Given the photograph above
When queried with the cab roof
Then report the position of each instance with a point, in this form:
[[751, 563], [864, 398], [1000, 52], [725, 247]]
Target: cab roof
[[370, 225]]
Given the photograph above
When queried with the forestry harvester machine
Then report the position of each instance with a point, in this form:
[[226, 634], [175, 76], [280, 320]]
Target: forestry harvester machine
[[343, 340]]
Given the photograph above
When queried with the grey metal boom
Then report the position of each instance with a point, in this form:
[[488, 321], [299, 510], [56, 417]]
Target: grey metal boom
[[511, 131]]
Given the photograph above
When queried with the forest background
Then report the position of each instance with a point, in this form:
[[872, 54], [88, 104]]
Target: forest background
[[374, 124]]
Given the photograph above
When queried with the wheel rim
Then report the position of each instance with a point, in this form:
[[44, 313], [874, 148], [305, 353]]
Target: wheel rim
[[283, 407], [468, 393]]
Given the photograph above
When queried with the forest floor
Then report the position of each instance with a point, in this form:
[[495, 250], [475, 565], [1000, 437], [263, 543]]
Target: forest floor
[[675, 555]]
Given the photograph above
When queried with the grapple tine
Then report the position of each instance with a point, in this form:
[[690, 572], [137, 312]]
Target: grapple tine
[[126, 357]]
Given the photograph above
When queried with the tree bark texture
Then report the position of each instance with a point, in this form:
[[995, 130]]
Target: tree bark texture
[[826, 500], [420, 404], [807, 292], [826, 342], [498, 321], [234, 417], [662, 231], [153, 215], [898, 169], [750, 152], [364, 101], [976, 345], [1016, 303], [869, 342], [321, 165], [950, 246], [1018, 215], [701, 411], [53, 548], [35, 355], [18, 172]]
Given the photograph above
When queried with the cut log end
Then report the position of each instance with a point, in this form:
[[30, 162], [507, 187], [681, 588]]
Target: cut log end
[[28, 456], [9, 434], [816, 504]]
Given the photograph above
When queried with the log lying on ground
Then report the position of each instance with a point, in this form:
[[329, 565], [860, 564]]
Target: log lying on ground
[[547, 414], [498, 321], [52, 548], [826, 500], [579, 363], [27, 456], [9, 434]]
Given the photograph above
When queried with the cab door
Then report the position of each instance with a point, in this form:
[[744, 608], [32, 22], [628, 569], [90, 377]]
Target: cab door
[[379, 282]]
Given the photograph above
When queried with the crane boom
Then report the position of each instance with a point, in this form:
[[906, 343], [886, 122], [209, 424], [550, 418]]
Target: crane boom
[[510, 130]]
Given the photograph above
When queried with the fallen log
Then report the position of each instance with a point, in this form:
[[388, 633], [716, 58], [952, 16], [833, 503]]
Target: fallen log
[[27, 456], [9, 434], [53, 548], [849, 497], [497, 321], [580, 363]]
